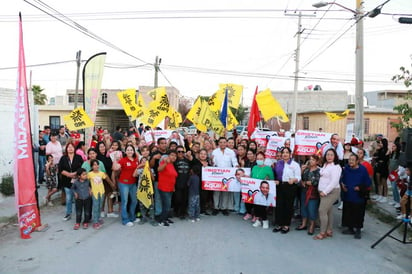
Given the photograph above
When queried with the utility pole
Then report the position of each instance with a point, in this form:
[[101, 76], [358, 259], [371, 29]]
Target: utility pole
[[293, 126], [156, 66], [78, 62], [359, 126], [295, 85]]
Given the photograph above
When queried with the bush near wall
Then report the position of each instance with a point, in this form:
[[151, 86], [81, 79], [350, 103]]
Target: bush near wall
[[6, 185]]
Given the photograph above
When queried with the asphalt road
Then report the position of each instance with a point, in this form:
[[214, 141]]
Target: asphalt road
[[216, 244]]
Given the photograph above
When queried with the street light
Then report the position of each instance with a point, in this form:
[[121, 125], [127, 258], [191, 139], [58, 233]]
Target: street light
[[358, 129]]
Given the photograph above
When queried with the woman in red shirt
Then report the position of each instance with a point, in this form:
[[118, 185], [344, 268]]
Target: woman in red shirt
[[127, 184], [167, 181]]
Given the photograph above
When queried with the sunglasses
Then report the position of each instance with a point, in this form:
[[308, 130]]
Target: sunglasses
[[180, 151]]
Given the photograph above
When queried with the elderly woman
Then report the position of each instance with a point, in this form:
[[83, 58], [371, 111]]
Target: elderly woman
[[355, 186], [288, 174]]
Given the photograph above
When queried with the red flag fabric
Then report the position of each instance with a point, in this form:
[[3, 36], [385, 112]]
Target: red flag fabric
[[24, 179], [254, 117]]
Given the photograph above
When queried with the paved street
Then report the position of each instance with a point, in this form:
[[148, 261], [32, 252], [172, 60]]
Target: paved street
[[216, 244]]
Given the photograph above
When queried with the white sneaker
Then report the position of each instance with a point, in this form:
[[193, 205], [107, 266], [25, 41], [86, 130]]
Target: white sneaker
[[392, 203], [257, 223], [112, 215], [396, 205], [129, 224], [197, 219], [400, 217], [374, 196], [377, 198], [383, 200], [50, 203], [265, 224], [137, 220], [340, 207], [102, 214]]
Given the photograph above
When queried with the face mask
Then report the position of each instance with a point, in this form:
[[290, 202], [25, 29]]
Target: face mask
[[259, 162]]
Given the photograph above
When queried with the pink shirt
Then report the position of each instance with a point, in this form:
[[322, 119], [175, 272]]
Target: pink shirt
[[56, 150], [329, 178]]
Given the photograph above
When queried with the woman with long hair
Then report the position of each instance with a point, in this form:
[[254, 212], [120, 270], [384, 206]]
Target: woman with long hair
[[381, 169], [69, 163], [127, 185], [329, 191]]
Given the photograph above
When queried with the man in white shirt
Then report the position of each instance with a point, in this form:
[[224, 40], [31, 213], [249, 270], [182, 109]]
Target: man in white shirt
[[264, 197], [223, 157]]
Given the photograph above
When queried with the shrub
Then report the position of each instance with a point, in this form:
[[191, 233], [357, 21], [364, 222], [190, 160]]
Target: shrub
[[7, 185]]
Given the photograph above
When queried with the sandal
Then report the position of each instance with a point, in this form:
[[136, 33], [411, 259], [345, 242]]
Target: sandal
[[301, 227], [329, 234], [320, 236]]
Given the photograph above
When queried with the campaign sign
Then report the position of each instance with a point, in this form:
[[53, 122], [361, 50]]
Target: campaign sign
[[262, 137], [275, 144], [258, 193], [222, 179], [311, 142], [148, 136]]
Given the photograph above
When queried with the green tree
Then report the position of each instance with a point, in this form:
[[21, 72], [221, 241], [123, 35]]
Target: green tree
[[39, 97], [239, 113], [405, 121]]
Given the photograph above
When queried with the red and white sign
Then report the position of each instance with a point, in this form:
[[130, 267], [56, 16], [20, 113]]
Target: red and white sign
[[311, 142], [258, 193], [221, 179], [172, 134], [275, 144], [262, 137]]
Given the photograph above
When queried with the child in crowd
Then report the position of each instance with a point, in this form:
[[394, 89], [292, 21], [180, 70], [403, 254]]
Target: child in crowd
[[96, 178], [82, 195], [51, 179], [194, 197]]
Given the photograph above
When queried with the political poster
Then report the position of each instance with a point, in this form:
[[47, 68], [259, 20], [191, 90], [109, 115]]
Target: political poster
[[258, 192], [311, 142], [262, 137], [275, 144], [222, 179], [156, 134]]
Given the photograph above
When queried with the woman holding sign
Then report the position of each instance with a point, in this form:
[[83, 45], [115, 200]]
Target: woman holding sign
[[288, 175], [262, 172]]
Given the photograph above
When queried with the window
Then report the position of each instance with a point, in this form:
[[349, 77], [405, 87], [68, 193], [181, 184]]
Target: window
[[366, 126], [54, 122], [79, 98], [104, 98], [305, 123]]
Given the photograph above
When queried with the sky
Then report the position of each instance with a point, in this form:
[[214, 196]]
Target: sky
[[205, 43]]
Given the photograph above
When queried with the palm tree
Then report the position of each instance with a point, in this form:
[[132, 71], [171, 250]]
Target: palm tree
[[39, 97]]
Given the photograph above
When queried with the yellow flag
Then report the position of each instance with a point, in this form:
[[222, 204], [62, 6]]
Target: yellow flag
[[155, 92], [158, 109], [215, 101], [234, 94], [141, 106], [194, 115], [77, 119], [209, 120], [231, 120], [337, 116], [145, 188], [269, 107], [175, 118], [128, 100]]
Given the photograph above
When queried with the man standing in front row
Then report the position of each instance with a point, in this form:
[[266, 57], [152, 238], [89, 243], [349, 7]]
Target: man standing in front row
[[223, 157]]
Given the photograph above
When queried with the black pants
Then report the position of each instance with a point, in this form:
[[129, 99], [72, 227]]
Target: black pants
[[180, 202], [205, 199], [285, 198], [261, 212], [353, 214], [83, 206]]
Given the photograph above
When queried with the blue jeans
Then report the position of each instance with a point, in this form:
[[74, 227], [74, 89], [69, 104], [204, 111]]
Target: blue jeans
[[158, 200], [69, 200], [236, 203], [97, 205], [242, 209], [125, 191], [309, 210], [166, 198], [395, 192], [194, 206], [42, 164]]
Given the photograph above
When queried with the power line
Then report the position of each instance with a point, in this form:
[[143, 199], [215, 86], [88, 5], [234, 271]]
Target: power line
[[69, 22]]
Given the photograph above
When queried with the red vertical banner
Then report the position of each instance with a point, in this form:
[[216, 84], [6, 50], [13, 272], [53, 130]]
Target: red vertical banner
[[92, 81], [24, 179]]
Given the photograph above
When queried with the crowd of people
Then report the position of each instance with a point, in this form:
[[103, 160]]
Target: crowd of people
[[110, 171]]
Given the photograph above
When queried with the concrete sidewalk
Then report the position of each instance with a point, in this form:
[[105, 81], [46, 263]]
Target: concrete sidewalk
[[8, 204]]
